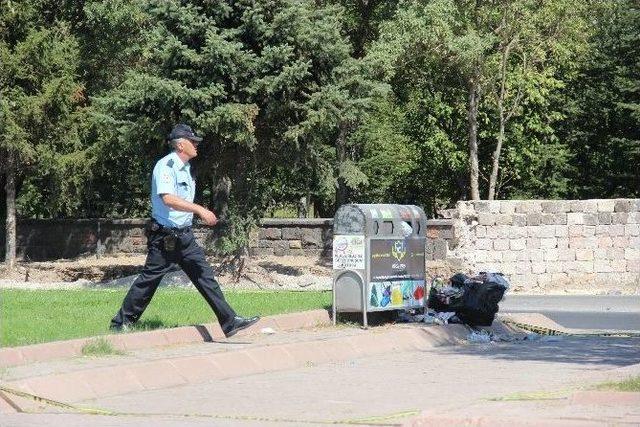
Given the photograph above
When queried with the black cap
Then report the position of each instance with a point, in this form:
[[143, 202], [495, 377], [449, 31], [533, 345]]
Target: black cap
[[183, 131]]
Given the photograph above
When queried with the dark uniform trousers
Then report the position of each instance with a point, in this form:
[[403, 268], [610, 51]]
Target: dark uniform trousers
[[190, 257]]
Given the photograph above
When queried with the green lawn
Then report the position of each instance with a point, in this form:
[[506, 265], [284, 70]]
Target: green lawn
[[35, 316]]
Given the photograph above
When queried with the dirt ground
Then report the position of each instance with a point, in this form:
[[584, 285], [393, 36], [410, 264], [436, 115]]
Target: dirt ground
[[253, 273]]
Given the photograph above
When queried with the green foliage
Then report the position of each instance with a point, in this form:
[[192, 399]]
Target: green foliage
[[332, 101], [100, 347]]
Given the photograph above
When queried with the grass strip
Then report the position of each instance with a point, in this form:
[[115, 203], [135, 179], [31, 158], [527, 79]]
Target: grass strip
[[100, 347], [37, 316], [629, 384]]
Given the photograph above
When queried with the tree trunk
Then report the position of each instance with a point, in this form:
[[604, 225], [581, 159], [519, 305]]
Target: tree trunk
[[220, 197], [472, 117], [496, 159], [10, 187], [341, 156]]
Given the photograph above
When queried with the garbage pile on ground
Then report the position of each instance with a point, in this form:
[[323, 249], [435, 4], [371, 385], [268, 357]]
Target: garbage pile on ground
[[469, 300]]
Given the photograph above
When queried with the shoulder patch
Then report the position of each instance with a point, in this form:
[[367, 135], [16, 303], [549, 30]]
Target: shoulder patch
[[170, 163]]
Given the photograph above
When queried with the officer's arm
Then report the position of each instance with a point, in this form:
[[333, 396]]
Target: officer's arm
[[175, 202]]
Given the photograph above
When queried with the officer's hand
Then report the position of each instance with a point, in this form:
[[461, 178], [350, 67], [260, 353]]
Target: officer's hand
[[208, 217]]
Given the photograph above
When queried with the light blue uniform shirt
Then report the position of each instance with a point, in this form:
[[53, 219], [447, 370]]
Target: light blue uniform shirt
[[171, 176]]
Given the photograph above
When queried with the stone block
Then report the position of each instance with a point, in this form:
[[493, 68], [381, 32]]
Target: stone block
[[606, 205], [633, 266], [533, 243], [270, 233], [633, 218], [534, 255], [635, 205], [590, 206], [551, 254], [504, 231], [311, 238], [620, 218], [517, 244], [605, 242], [605, 218], [440, 249], [482, 206], [576, 206], [589, 230], [634, 241], [266, 243], [576, 230], [566, 254], [508, 206], [563, 243], [616, 230], [548, 242], [575, 218], [555, 267], [555, 206], [590, 218], [261, 251], [622, 206], [292, 233], [584, 266], [528, 206], [484, 244], [560, 278], [519, 220], [486, 218], [501, 244], [584, 254], [562, 231], [602, 266], [619, 265], [494, 206], [509, 256], [492, 232], [620, 242], [615, 253], [281, 248], [481, 256], [632, 254], [503, 219], [481, 231], [538, 267], [632, 229], [534, 219], [523, 267], [295, 244]]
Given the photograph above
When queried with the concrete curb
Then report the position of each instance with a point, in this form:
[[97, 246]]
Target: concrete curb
[[158, 374], [15, 356]]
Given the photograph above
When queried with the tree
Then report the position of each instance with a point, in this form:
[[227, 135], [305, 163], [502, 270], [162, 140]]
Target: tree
[[249, 76], [38, 96], [601, 101]]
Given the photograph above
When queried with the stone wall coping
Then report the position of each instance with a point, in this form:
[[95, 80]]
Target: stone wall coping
[[447, 222], [286, 222]]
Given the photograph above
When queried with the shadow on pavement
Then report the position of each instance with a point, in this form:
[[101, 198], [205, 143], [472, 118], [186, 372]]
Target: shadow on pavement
[[616, 351]]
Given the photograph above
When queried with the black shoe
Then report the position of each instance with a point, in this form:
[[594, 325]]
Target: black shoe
[[240, 323]]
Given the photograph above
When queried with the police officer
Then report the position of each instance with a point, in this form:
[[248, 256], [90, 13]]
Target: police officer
[[171, 240]]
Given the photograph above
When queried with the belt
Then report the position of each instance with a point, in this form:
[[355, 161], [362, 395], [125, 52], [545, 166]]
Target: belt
[[179, 230]]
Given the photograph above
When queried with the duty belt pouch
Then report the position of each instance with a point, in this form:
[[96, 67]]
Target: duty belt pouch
[[169, 242], [151, 227]]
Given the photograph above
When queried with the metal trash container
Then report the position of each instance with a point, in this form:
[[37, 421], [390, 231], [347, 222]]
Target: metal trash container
[[378, 258]]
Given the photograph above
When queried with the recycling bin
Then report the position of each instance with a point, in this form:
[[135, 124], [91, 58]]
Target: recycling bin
[[378, 258]]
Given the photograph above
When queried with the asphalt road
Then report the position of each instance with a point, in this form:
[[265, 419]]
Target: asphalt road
[[598, 312]]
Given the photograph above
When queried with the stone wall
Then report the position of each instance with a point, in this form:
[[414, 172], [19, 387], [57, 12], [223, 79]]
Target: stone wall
[[537, 244], [540, 244]]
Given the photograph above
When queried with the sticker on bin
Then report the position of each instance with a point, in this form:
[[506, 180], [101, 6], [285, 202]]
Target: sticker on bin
[[348, 253]]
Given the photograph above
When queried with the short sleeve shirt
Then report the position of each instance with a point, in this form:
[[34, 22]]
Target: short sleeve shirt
[[171, 176]]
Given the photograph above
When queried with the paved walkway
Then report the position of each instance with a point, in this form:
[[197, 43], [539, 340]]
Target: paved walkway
[[413, 374]]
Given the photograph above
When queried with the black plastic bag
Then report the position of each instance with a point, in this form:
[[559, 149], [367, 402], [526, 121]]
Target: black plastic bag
[[473, 299]]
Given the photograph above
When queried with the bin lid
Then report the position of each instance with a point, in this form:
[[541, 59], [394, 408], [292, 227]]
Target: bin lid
[[380, 220]]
